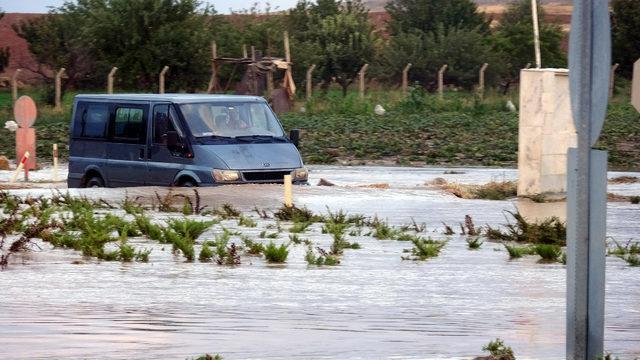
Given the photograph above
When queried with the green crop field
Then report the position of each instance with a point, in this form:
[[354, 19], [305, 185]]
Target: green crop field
[[419, 130]]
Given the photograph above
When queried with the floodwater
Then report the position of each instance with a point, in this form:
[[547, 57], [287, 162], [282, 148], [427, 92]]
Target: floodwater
[[55, 304]]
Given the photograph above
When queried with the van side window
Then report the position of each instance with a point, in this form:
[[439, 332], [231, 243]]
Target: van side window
[[93, 120], [164, 120], [129, 124]]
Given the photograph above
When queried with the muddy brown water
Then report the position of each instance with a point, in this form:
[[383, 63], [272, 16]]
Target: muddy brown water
[[55, 304]]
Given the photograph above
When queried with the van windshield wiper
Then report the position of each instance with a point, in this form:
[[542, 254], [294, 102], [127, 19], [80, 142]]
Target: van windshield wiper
[[251, 138]]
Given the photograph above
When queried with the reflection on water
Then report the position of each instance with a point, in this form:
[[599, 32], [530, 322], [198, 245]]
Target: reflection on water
[[373, 306], [536, 212]]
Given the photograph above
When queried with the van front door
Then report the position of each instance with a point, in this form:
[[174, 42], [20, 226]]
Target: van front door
[[164, 163], [127, 152]]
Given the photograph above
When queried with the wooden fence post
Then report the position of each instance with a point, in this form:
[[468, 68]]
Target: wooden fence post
[[244, 51], [213, 82], [361, 85], [161, 80], [612, 79], [58, 99], [481, 84], [110, 79], [405, 79], [14, 85], [254, 72], [441, 80], [527, 66], [310, 81]]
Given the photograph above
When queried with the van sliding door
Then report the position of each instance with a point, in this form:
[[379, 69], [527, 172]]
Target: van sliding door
[[127, 152]]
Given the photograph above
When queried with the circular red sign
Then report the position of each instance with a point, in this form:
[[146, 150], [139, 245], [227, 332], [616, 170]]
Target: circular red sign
[[25, 111]]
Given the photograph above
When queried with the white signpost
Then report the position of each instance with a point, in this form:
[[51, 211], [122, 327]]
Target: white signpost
[[589, 71]]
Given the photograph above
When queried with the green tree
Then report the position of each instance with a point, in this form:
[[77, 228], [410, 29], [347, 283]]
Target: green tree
[[514, 41], [464, 51], [139, 37], [429, 15], [5, 53], [334, 35], [625, 34]]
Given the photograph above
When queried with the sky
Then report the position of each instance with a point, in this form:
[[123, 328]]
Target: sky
[[222, 6]]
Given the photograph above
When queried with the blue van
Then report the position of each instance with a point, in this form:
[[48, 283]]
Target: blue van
[[179, 140]]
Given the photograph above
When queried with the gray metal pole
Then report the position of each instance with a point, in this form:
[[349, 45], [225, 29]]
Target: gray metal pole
[[589, 65]]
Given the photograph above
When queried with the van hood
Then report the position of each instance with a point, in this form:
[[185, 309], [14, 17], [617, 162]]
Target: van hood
[[252, 156]]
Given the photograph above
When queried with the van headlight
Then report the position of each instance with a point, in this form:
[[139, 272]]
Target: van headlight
[[300, 174], [225, 175]]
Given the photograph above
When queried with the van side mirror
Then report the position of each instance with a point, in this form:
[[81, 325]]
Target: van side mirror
[[172, 139], [294, 136]]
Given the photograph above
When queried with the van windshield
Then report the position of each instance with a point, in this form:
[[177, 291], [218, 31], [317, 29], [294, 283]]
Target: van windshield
[[233, 119]]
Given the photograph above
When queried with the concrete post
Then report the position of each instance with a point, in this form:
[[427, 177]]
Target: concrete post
[[161, 80], [244, 51], [441, 81], [287, 49], [481, 82], [405, 79], [361, 84], [612, 80], [310, 81], [58, 99], [14, 85], [536, 33], [546, 131], [110, 79], [213, 82]]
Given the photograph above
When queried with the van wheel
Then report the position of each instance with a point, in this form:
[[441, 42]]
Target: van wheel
[[94, 182], [188, 183]]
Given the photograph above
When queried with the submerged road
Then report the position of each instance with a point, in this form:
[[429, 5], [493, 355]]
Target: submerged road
[[374, 305]]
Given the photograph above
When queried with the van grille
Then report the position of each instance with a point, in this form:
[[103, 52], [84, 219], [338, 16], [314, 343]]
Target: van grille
[[266, 176]]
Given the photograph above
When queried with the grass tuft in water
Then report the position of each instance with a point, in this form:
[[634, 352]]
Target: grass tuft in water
[[498, 350], [252, 247], [323, 258], [299, 227], [516, 252], [424, 249], [297, 215], [206, 254], [549, 231], [189, 229], [276, 254], [246, 221], [548, 252], [474, 243], [227, 211]]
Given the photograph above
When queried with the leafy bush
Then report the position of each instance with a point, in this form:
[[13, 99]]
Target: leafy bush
[[549, 231], [276, 254], [499, 350]]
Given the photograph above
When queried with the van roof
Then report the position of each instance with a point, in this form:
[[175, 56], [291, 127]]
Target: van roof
[[175, 98]]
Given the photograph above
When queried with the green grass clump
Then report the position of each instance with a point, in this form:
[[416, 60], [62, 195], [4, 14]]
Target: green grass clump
[[474, 243], [548, 252], [252, 247], [206, 254], [181, 243], [499, 350], [264, 235], [635, 199], [189, 229], [495, 191], [246, 221], [382, 231], [323, 258], [297, 215], [299, 227], [516, 252], [276, 254], [227, 211], [632, 259], [152, 231], [424, 249], [549, 231]]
